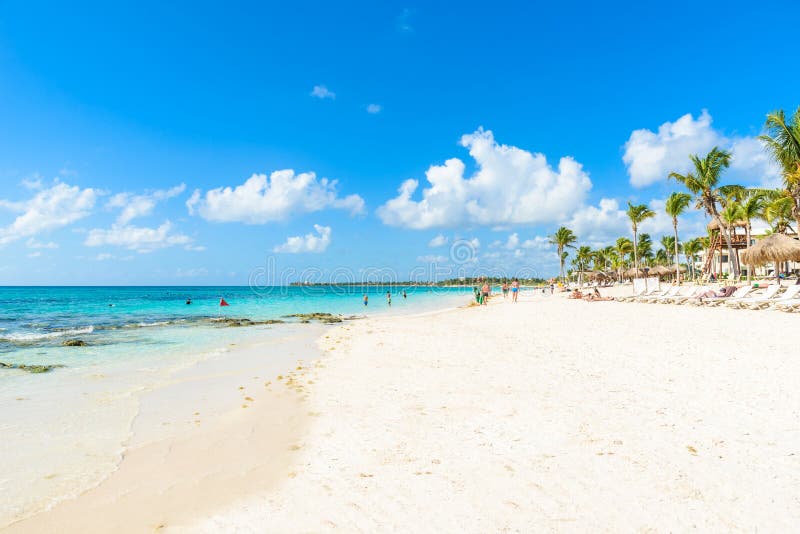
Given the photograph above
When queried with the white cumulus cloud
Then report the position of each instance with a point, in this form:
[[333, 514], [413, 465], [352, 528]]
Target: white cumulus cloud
[[311, 242], [137, 238], [374, 109], [651, 156], [752, 163], [322, 92], [602, 224], [438, 241], [261, 198], [134, 206], [48, 209], [32, 243], [510, 186]]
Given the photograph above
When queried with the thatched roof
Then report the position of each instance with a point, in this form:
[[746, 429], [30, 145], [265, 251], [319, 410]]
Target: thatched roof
[[714, 226], [660, 270], [630, 273], [673, 267], [775, 247]]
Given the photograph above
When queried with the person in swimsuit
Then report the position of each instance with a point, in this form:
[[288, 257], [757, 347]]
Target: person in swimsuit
[[514, 290], [505, 290], [389, 298], [485, 290], [366, 299]]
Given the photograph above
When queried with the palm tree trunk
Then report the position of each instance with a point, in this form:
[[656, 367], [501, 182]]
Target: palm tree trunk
[[635, 251], [749, 265], [677, 257], [726, 233]]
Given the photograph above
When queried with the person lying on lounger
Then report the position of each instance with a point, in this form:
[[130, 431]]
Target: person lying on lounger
[[596, 296]]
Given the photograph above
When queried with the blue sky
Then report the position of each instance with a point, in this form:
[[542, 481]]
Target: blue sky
[[122, 125]]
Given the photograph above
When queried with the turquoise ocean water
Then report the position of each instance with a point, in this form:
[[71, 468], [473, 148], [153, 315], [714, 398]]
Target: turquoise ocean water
[[131, 322], [65, 430]]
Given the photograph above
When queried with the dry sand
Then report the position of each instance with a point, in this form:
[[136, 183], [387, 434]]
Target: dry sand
[[547, 415]]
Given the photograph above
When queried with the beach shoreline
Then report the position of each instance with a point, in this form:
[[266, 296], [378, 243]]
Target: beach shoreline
[[499, 417], [167, 413]]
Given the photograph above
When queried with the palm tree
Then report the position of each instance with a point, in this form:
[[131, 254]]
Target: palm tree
[[668, 245], [751, 208], [563, 238], [778, 211], [704, 184], [645, 247], [782, 141], [624, 247], [690, 250], [582, 258], [637, 213], [675, 206]]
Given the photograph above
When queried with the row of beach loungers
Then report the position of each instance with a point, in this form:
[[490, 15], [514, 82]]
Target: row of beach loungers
[[773, 296]]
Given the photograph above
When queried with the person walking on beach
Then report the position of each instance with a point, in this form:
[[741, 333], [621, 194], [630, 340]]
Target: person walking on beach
[[366, 299], [514, 290], [485, 290], [505, 289], [389, 298]]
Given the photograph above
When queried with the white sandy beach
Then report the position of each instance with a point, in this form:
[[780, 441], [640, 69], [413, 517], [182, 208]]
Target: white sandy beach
[[547, 415]]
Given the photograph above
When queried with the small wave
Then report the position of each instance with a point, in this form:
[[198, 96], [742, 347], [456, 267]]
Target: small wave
[[156, 323], [38, 336]]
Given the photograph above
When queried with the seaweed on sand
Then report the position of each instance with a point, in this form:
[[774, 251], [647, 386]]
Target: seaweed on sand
[[35, 369]]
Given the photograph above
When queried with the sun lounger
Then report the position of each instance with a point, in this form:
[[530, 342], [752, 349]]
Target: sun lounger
[[737, 295], [671, 292], [639, 293], [650, 294], [757, 301], [694, 290], [714, 301], [789, 300]]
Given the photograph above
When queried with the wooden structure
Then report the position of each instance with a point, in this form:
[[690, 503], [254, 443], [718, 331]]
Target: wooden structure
[[718, 249]]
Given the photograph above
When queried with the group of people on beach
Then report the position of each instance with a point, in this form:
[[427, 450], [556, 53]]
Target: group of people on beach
[[388, 297], [514, 288], [589, 296]]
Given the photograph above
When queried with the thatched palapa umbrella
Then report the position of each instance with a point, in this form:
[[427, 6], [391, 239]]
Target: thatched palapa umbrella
[[633, 272], [659, 270], [773, 248]]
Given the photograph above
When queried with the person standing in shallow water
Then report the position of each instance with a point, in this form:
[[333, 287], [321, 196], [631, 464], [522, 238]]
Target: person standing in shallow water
[[366, 299], [389, 298]]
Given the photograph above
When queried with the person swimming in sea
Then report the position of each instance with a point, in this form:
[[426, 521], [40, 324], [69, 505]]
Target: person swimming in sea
[[189, 300], [404, 294]]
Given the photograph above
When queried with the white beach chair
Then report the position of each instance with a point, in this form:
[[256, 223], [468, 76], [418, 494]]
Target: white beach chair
[[716, 301], [765, 297], [686, 292], [789, 300], [739, 294], [640, 292], [655, 292], [671, 292]]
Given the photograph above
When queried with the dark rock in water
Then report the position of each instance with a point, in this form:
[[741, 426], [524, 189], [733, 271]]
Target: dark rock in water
[[74, 343], [36, 369], [234, 322], [326, 318]]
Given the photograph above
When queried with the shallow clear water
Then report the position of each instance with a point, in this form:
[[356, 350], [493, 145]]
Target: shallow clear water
[[125, 322], [63, 430]]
